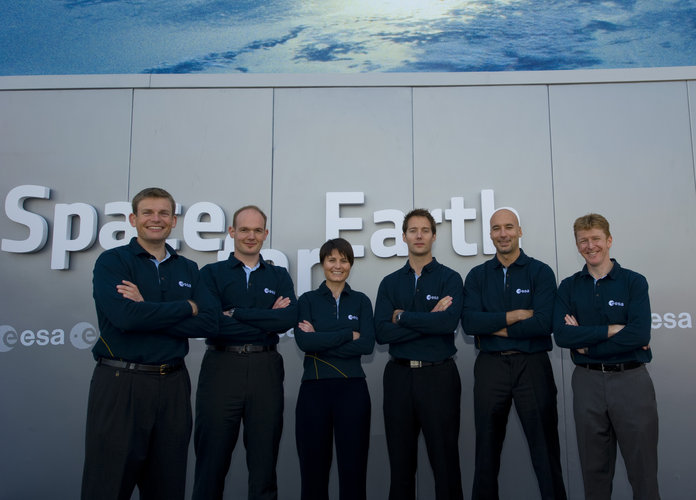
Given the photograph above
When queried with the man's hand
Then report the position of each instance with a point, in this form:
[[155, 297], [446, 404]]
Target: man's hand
[[570, 320], [517, 315], [356, 335], [281, 303], [396, 313], [613, 330], [307, 327], [194, 308], [442, 304], [130, 291], [512, 317], [501, 333]]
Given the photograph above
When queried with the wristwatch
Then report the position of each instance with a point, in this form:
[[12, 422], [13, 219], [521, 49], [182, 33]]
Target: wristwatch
[[398, 316]]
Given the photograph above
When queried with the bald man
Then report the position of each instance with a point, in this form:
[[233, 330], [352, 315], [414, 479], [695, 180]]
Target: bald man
[[508, 308]]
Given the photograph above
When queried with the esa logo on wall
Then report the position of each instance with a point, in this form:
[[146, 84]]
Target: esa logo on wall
[[82, 336]]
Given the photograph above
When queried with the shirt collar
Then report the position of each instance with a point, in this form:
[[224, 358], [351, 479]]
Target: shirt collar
[[611, 274], [234, 261], [427, 269], [138, 250], [522, 260], [325, 290]]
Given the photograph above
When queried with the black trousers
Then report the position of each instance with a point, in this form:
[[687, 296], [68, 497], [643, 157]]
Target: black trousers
[[424, 399], [328, 410], [235, 388], [528, 380], [138, 432]]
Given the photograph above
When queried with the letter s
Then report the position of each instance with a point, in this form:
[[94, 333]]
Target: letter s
[[38, 227]]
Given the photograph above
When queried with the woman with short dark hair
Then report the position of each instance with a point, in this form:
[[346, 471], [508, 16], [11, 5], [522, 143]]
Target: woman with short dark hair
[[335, 329]]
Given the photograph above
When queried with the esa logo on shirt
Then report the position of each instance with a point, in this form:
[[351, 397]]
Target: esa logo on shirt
[[615, 303], [432, 297]]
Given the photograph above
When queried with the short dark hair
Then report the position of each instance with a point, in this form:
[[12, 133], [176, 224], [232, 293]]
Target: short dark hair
[[591, 221], [419, 212], [344, 248], [152, 192], [249, 207]]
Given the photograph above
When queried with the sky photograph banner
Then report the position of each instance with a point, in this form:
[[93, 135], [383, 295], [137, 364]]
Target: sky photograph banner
[[60, 37]]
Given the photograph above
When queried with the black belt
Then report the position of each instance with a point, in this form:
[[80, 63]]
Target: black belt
[[411, 363], [242, 349], [617, 367], [505, 353], [137, 367]]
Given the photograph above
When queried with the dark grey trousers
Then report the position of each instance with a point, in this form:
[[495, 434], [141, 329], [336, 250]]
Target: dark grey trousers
[[611, 408]]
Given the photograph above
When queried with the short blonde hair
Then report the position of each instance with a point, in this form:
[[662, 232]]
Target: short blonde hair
[[591, 221]]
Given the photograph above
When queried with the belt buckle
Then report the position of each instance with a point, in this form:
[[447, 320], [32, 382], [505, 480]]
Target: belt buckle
[[163, 369], [415, 364]]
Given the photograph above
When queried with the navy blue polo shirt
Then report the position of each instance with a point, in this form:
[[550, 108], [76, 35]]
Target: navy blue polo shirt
[[621, 297], [155, 331], [254, 321], [420, 335], [489, 295], [330, 350]]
